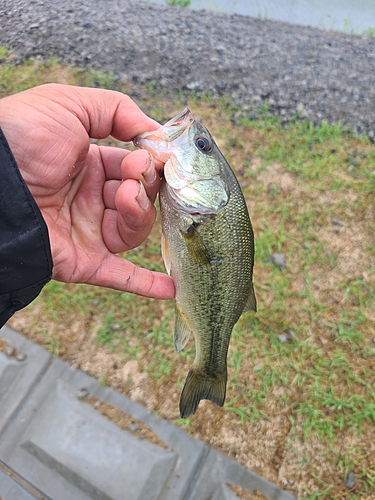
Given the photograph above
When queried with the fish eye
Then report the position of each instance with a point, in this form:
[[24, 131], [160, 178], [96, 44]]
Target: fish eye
[[203, 143]]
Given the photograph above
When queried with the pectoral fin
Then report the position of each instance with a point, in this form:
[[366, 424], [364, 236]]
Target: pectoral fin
[[182, 329], [195, 246], [251, 303]]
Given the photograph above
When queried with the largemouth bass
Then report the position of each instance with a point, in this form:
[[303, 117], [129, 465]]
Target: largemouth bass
[[207, 245]]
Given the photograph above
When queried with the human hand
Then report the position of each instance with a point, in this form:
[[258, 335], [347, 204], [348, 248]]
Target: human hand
[[97, 201]]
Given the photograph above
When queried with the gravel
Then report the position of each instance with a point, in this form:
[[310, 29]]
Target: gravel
[[290, 69]]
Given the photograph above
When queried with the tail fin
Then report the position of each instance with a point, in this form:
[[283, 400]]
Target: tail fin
[[199, 386]]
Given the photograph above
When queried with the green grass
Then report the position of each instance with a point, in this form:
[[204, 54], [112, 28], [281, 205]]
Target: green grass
[[178, 3], [322, 219]]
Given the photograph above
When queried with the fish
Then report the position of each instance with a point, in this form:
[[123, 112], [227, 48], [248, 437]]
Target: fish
[[207, 247]]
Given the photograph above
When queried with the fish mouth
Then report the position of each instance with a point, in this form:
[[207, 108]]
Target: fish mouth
[[175, 128], [161, 142], [183, 119], [168, 132]]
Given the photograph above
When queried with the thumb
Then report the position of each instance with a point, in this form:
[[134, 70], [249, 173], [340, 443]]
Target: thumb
[[102, 112]]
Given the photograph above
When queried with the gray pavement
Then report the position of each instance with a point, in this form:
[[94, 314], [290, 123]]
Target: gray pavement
[[55, 445], [261, 65]]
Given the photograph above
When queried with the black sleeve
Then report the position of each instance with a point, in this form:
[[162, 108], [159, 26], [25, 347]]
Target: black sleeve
[[25, 253]]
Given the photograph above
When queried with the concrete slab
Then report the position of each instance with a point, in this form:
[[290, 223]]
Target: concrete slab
[[59, 446], [19, 371], [67, 431], [14, 488], [66, 449]]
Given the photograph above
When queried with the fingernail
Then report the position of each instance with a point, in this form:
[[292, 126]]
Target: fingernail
[[142, 197], [150, 174]]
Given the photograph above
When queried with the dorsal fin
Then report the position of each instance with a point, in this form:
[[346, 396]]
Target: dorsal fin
[[251, 302]]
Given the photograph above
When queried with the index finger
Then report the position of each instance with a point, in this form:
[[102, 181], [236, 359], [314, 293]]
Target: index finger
[[120, 274]]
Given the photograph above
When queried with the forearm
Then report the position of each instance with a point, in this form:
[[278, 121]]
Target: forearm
[[25, 254]]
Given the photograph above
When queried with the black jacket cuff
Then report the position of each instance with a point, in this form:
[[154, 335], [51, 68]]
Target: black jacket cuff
[[25, 252]]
